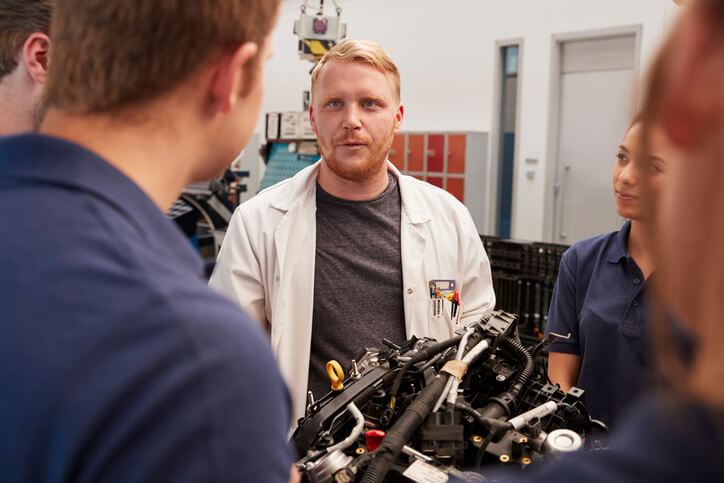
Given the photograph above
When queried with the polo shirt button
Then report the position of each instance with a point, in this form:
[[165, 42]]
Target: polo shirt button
[[635, 303], [409, 290], [636, 281]]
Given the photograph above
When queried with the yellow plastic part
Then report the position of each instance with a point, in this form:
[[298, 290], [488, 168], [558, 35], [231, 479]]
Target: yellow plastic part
[[336, 375], [316, 47]]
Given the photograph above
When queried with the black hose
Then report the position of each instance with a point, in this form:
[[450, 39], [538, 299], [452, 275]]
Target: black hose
[[424, 354], [400, 433], [504, 404], [495, 425], [527, 371]]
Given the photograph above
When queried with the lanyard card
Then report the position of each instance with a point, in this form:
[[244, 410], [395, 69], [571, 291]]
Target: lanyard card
[[440, 288]]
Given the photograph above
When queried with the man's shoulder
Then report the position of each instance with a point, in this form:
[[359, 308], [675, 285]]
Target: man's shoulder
[[201, 313]]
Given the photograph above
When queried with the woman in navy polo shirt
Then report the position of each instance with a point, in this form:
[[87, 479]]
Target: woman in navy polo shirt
[[598, 298]]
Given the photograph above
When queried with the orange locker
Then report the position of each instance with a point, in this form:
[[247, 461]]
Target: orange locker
[[456, 187], [435, 181], [397, 152], [456, 153], [415, 152], [435, 153]]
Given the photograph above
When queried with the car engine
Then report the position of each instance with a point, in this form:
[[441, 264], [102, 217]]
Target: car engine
[[429, 410]]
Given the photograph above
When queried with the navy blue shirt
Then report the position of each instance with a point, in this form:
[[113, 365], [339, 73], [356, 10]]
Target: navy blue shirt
[[599, 300], [117, 362]]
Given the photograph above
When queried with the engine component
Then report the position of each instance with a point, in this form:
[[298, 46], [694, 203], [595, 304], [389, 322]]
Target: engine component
[[475, 400], [563, 441]]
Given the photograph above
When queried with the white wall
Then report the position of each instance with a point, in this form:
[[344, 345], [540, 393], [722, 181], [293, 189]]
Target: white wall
[[445, 51]]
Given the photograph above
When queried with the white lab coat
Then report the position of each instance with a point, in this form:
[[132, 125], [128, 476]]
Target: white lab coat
[[266, 264]]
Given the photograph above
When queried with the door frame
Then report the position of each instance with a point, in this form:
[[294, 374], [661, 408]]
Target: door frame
[[491, 218], [550, 214]]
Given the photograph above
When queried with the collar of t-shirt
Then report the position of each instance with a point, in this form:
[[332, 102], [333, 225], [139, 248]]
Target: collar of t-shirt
[[391, 186]]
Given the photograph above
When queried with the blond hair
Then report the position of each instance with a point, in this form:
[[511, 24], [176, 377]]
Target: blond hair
[[362, 51]]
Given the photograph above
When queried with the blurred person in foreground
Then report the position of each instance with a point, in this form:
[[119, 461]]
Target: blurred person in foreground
[[118, 362], [24, 52], [677, 433]]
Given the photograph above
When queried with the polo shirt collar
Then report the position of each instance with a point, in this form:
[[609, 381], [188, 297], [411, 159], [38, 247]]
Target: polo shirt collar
[[52, 160], [618, 250]]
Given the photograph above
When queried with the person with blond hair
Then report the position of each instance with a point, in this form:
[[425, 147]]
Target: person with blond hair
[[119, 363], [24, 54], [339, 257]]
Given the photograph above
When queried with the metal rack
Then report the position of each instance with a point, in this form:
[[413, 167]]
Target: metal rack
[[524, 275]]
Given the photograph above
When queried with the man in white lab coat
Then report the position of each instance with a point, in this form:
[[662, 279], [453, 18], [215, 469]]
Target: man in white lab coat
[[340, 256]]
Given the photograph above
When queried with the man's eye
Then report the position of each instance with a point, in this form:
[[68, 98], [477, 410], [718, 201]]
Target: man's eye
[[621, 157], [334, 103], [369, 103]]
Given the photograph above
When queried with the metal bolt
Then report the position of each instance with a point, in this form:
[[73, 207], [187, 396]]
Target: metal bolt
[[526, 461], [504, 458], [523, 440], [478, 439], [500, 378], [360, 450]]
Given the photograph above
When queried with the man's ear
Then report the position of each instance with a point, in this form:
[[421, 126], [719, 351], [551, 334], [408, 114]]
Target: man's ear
[[398, 118], [311, 119], [36, 55], [229, 75], [692, 101]]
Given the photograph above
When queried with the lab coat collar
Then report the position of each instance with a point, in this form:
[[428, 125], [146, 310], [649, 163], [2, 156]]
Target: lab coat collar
[[304, 183]]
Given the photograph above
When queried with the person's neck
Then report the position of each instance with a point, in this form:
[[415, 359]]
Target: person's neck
[[150, 152], [15, 106], [347, 189], [638, 248]]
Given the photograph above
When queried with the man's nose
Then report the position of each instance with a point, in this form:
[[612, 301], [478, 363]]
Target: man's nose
[[351, 117]]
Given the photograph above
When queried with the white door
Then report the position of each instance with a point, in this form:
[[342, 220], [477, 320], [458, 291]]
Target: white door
[[596, 88]]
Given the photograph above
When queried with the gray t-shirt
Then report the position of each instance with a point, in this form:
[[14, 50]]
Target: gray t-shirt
[[357, 280]]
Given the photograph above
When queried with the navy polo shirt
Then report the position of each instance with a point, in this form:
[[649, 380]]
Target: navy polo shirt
[[117, 362], [599, 300]]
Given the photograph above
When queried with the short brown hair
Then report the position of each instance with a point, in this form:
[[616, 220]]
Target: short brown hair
[[362, 51], [111, 55], [18, 20]]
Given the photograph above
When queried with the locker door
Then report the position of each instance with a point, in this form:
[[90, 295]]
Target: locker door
[[435, 153], [456, 153], [397, 152], [415, 152]]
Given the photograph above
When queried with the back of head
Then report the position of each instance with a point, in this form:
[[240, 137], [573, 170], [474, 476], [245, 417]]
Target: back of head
[[362, 51], [117, 55], [19, 19]]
